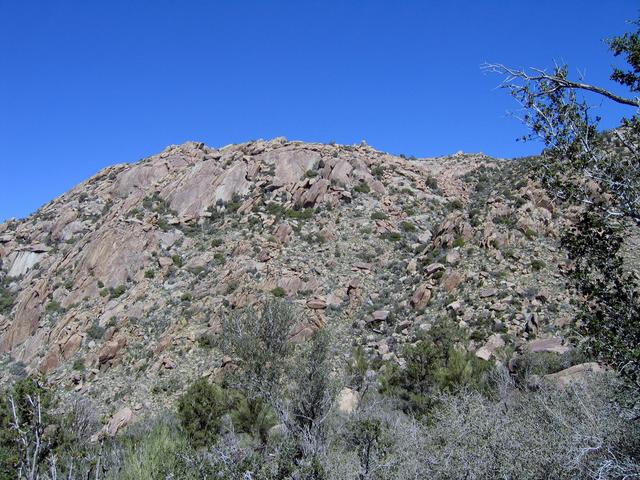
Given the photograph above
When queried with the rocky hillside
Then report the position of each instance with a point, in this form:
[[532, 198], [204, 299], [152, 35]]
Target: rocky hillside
[[116, 289]]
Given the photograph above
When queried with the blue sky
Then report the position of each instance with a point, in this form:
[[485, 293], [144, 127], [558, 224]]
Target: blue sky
[[85, 84]]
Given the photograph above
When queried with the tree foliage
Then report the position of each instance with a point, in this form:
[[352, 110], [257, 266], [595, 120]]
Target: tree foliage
[[599, 172]]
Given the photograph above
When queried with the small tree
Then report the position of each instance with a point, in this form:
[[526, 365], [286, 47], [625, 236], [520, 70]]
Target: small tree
[[312, 392], [200, 410], [602, 171], [260, 342]]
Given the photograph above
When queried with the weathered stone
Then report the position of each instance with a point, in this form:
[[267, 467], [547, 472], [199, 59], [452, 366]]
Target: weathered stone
[[494, 342], [487, 292], [421, 296], [575, 374], [283, 232], [120, 420], [452, 280], [380, 315], [551, 344], [316, 303]]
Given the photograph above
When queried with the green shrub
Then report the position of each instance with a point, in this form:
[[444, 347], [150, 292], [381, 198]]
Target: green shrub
[[53, 307], [362, 187], [207, 341], [435, 365], [7, 299], [311, 173], [11, 449], [378, 215], [278, 292], [459, 241], [95, 331], [537, 265], [79, 365], [391, 236], [431, 182], [304, 214], [117, 292], [177, 260], [149, 274], [407, 226], [455, 204], [156, 454], [200, 410], [377, 171]]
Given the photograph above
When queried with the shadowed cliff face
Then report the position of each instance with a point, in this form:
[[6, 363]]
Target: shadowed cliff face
[[116, 289]]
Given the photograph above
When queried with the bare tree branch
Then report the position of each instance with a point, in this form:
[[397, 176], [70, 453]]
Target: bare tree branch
[[541, 75]]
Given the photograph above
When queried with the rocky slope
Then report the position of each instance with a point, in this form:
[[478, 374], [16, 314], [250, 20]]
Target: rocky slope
[[116, 289]]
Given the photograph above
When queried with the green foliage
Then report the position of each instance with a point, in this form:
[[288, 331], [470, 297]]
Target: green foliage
[[378, 171], [627, 45], [311, 387], [391, 236], [537, 265], [278, 292], [95, 331], [156, 454], [311, 173], [206, 340], [149, 273], [378, 215], [79, 365], [455, 204], [200, 410], [177, 260], [357, 368], [371, 441], [304, 214], [7, 299], [53, 307], [407, 226], [458, 241], [117, 291], [611, 317], [157, 204], [434, 365], [12, 450], [260, 342], [362, 187], [252, 416]]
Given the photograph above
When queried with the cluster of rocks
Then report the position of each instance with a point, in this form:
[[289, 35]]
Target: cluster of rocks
[[130, 273]]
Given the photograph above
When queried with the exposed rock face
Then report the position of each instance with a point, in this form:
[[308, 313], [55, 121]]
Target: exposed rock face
[[575, 374], [128, 276]]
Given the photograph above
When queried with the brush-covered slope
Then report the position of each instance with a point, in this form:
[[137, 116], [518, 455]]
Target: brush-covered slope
[[116, 289]]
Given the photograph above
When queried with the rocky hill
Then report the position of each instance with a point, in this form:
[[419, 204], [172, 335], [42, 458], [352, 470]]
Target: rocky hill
[[116, 289]]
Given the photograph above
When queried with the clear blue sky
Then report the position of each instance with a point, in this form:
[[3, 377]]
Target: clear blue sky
[[88, 84]]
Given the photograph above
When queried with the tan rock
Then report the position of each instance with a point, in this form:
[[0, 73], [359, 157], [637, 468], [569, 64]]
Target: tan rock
[[111, 349], [494, 342], [433, 268], [283, 232], [551, 344], [452, 280], [71, 346], [575, 374], [120, 420], [421, 296], [317, 303]]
